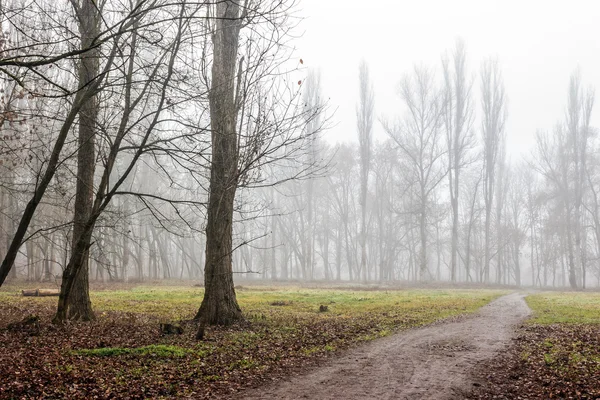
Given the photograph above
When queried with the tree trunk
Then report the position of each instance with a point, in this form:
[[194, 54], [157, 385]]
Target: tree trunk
[[79, 304], [572, 275], [219, 306], [326, 243], [338, 254], [454, 248], [423, 251], [486, 261]]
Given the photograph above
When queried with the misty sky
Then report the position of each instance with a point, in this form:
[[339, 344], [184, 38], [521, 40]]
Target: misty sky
[[538, 43]]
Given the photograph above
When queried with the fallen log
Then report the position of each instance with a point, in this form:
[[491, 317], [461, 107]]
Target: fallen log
[[40, 292], [48, 292]]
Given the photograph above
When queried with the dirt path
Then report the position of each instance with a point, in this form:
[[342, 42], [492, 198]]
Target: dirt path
[[428, 363]]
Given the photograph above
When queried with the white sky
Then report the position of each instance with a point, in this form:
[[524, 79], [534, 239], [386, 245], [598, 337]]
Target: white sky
[[539, 43]]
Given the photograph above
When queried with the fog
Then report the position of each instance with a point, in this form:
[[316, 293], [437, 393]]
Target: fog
[[466, 152], [538, 43]]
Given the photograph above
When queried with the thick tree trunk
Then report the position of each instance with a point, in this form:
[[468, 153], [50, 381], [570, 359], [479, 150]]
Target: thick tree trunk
[[219, 306], [70, 275], [79, 304]]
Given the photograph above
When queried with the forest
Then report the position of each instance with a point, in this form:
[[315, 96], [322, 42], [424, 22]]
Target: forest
[[179, 157], [436, 199]]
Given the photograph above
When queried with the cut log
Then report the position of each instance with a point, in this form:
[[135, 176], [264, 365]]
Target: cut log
[[40, 292], [48, 292]]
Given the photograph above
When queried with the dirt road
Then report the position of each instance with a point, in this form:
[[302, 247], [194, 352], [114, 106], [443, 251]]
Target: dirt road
[[427, 363]]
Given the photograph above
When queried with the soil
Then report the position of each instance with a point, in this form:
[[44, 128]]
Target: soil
[[434, 362]]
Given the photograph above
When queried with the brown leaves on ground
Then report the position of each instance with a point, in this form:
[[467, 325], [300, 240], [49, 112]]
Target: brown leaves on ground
[[124, 355], [546, 362], [47, 364]]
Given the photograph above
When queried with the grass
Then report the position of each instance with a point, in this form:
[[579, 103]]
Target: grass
[[275, 303], [272, 304], [565, 308]]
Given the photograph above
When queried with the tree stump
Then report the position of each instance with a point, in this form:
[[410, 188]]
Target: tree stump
[[170, 329]]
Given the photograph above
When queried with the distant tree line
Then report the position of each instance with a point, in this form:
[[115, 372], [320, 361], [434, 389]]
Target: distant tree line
[[439, 199], [153, 140]]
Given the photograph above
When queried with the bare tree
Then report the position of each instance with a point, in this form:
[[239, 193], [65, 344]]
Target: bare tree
[[154, 88], [472, 216], [493, 103], [553, 162], [579, 111], [312, 98], [254, 122], [418, 138], [30, 58], [364, 116], [562, 160], [458, 121], [501, 192], [219, 305], [516, 220], [88, 18]]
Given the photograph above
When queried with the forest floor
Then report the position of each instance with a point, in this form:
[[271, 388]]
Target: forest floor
[[431, 343]]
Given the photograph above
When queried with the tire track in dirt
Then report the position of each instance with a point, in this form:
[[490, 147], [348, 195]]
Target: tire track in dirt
[[432, 362]]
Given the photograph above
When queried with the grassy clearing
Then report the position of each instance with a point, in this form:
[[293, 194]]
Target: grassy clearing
[[565, 308], [275, 305], [275, 301], [285, 329]]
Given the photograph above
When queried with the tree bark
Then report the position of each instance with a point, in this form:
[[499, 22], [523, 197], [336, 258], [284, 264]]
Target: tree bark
[[219, 306], [79, 304]]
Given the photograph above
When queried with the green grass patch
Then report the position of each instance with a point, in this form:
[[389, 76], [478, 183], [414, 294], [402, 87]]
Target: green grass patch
[[274, 304], [565, 308]]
